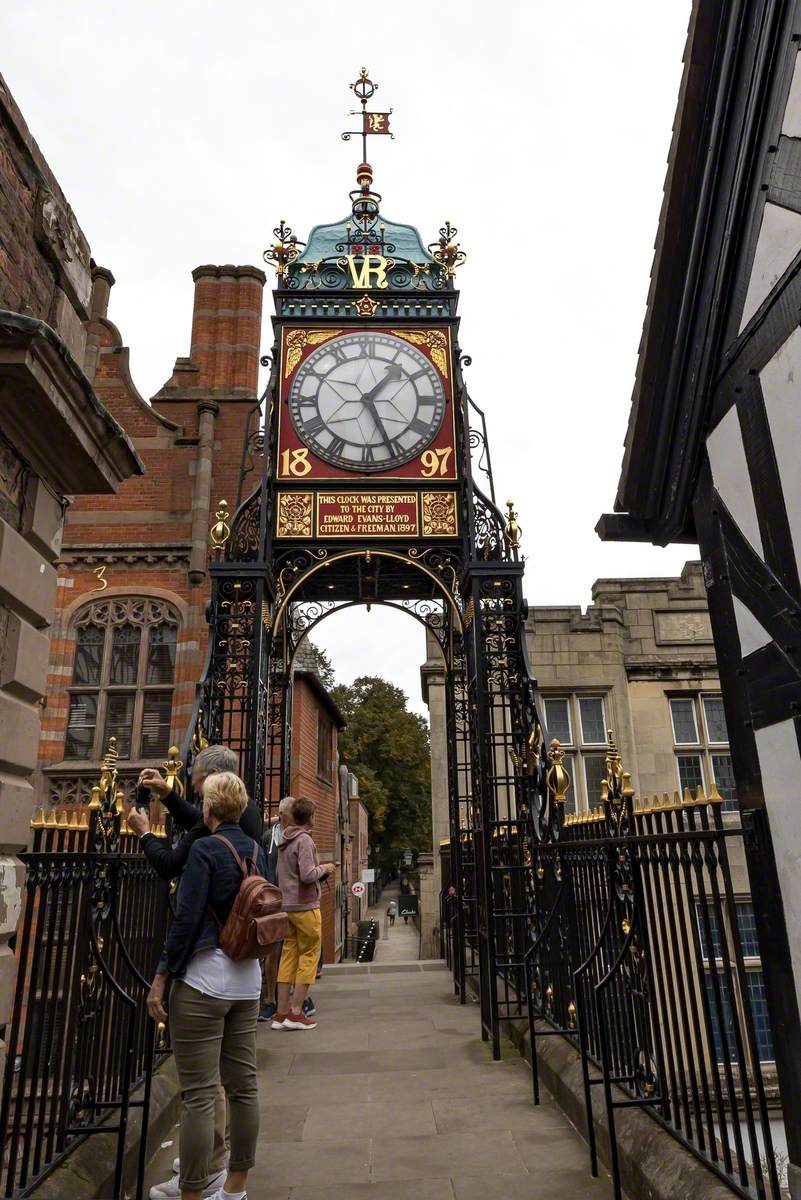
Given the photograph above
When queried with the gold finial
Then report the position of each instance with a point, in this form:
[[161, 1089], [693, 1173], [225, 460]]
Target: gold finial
[[557, 778], [199, 739], [615, 780], [513, 530], [446, 252], [714, 795], [51, 820], [220, 530], [38, 819], [172, 768], [284, 251]]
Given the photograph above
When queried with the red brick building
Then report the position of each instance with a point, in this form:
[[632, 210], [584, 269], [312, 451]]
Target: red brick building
[[129, 640], [316, 722], [129, 636]]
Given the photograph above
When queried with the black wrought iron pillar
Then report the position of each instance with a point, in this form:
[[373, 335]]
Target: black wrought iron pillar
[[457, 724], [499, 689], [235, 692]]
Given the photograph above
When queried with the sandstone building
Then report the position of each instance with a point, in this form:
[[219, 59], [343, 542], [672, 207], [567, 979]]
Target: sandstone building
[[640, 661], [57, 442]]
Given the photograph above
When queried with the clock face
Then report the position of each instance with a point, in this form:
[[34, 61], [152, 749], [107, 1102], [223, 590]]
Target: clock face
[[366, 401]]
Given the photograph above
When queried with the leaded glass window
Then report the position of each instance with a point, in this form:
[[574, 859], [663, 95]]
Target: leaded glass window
[[122, 679]]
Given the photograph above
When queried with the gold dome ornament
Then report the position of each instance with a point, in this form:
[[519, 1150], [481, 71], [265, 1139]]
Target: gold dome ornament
[[220, 530]]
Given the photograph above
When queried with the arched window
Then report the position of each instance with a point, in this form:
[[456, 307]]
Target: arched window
[[122, 679]]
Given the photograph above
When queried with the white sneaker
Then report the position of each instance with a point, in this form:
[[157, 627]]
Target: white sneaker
[[171, 1190], [215, 1185], [176, 1165]]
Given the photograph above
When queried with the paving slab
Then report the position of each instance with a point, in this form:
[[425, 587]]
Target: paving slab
[[395, 1097]]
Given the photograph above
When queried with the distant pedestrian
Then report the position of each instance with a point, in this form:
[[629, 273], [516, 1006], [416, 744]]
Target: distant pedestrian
[[406, 918], [392, 911], [299, 876]]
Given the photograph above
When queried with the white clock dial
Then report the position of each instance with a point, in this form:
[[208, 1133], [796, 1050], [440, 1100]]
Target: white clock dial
[[367, 401]]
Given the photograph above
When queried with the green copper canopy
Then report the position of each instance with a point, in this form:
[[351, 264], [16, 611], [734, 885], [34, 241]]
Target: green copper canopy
[[401, 242]]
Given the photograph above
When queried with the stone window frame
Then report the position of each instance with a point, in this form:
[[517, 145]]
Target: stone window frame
[[704, 749], [147, 612], [577, 750]]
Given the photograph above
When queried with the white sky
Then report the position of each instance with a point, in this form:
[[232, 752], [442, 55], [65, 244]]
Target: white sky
[[181, 133]]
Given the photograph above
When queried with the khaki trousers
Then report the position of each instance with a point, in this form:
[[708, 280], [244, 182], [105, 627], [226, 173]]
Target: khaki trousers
[[214, 1041]]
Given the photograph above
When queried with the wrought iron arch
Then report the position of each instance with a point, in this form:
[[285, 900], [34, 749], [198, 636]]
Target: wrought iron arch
[[412, 608]]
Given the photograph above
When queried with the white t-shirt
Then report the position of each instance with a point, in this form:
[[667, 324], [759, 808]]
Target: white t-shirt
[[213, 973]]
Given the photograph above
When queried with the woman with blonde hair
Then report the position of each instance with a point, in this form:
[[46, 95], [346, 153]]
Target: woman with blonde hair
[[214, 1001]]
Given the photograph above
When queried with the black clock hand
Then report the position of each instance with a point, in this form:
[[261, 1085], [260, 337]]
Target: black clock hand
[[368, 399]]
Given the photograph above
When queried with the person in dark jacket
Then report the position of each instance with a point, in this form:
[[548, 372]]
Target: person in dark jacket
[[167, 861], [214, 1002]]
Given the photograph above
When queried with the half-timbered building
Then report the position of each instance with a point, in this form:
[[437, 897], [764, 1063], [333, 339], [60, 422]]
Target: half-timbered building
[[712, 449]]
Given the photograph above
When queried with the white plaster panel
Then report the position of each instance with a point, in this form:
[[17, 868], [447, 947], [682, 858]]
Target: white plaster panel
[[781, 387], [780, 765], [778, 243], [791, 125], [752, 635], [730, 473]]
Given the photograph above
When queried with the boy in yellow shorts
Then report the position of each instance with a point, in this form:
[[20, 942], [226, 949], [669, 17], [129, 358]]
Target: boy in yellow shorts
[[299, 875]]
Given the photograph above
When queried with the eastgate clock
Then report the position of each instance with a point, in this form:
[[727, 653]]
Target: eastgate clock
[[366, 402]]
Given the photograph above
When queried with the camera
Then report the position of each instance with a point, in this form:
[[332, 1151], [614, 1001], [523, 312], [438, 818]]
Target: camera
[[142, 800]]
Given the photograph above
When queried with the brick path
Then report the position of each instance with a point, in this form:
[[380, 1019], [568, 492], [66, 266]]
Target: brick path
[[395, 1097]]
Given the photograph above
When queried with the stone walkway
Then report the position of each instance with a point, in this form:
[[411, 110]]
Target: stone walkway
[[399, 942], [395, 1097]]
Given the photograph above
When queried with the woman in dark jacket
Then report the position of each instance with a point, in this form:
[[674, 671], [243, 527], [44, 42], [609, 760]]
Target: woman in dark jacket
[[214, 1001]]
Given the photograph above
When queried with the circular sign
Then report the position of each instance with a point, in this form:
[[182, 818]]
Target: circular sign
[[358, 889]]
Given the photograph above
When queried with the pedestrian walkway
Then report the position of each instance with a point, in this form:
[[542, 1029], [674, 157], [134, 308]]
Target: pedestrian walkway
[[395, 1097], [399, 942]]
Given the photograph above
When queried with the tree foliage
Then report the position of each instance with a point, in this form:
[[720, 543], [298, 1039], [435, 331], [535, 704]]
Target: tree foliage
[[387, 747]]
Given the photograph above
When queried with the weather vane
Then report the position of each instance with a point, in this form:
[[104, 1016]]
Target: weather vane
[[372, 122]]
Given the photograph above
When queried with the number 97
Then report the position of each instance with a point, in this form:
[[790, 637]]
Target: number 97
[[435, 462]]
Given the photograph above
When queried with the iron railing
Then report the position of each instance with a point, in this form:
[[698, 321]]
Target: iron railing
[[619, 930], [80, 1042]]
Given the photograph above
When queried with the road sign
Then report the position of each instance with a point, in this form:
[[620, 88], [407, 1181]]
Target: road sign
[[358, 889], [368, 875]]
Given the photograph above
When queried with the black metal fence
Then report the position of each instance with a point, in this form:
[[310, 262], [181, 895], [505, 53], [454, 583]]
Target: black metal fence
[[620, 930], [80, 1041]]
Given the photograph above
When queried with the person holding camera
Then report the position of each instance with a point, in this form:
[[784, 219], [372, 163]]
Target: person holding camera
[[299, 876], [214, 1002], [168, 862]]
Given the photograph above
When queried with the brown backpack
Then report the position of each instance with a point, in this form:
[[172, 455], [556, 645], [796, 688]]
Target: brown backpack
[[255, 921]]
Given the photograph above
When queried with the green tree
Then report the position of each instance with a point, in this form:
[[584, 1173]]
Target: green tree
[[387, 747]]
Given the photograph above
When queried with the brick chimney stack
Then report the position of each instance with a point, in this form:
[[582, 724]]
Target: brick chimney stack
[[211, 393], [226, 328]]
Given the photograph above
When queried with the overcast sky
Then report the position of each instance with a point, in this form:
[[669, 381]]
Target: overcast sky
[[182, 132]]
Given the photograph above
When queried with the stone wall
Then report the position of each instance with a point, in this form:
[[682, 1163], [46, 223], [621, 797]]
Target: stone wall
[[57, 441]]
